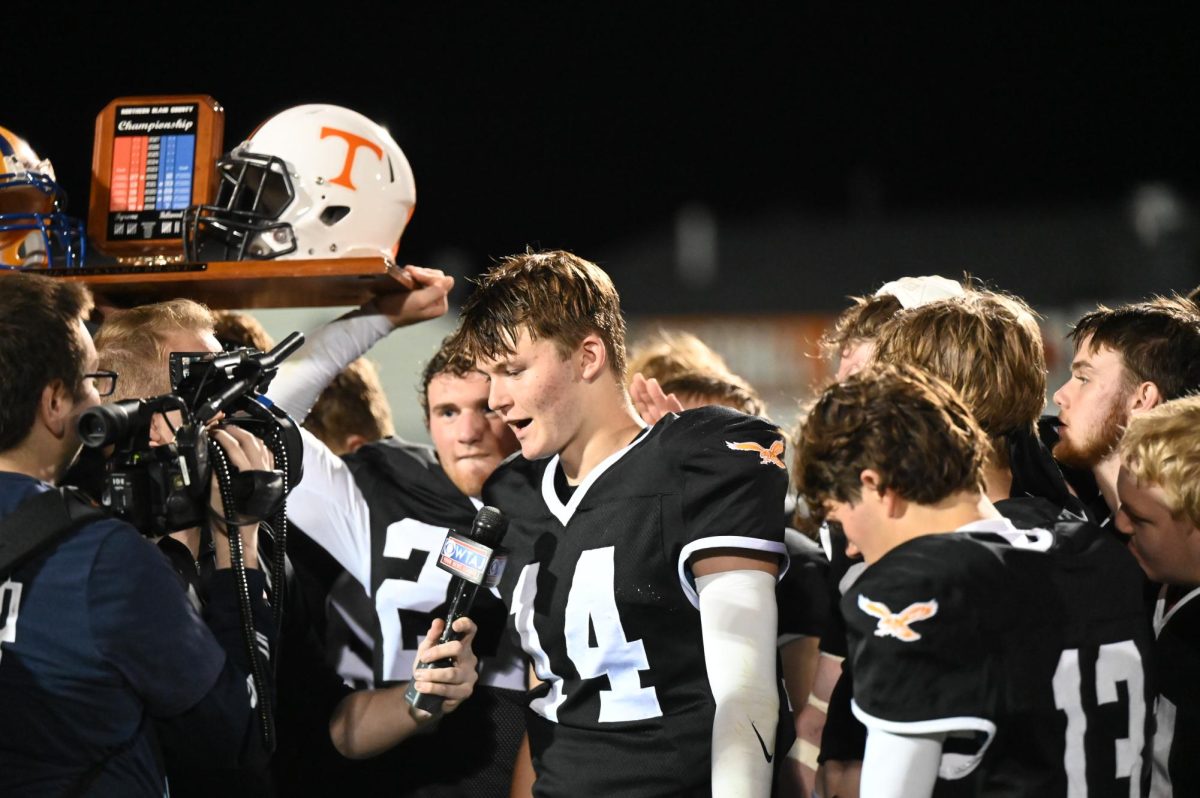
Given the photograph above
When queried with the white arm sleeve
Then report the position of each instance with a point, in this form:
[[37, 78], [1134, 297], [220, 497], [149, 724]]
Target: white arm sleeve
[[738, 619], [900, 765], [327, 351], [331, 510]]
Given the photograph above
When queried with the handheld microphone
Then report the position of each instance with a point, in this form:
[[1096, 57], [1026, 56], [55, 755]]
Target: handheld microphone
[[474, 560]]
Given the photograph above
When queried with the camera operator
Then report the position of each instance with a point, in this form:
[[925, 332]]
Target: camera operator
[[139, 342], [96, 637]]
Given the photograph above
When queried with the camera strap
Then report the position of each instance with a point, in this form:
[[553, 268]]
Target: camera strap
[[40, 522]]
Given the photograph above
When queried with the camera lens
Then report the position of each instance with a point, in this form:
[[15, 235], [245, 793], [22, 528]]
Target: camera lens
[[107, 424]]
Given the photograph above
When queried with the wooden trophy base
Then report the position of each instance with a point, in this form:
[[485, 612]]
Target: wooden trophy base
[[225, 285]]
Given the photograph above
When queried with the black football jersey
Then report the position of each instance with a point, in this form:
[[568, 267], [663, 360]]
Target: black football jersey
[[843, 737], [804, 603], [601, 593], [1176, 766], [1104, 688], [411, 504], [1027, 647]]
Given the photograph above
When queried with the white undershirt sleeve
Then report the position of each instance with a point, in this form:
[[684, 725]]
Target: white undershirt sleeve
[[738, 620], [900, 765], [331, 510], [328, 350]]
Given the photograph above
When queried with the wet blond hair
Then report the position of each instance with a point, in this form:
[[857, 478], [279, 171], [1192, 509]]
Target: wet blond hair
[[556, 296]]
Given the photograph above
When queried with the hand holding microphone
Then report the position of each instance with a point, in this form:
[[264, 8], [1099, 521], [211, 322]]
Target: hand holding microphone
[[474, 560], [445, 672]]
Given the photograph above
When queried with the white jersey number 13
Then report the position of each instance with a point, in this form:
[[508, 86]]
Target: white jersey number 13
[[1116, 662]]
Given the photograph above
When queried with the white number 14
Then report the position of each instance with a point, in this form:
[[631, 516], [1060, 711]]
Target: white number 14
[[591, 607]]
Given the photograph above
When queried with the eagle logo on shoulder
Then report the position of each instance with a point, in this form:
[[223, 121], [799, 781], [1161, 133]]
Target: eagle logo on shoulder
[[770, 456], [897, 624]]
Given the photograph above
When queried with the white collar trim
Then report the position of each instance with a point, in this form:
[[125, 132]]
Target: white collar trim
[[1160, 620], [563, 512], [1036, 539]]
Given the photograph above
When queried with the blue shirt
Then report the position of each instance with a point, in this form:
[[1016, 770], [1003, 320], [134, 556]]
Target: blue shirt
[[94, 634]]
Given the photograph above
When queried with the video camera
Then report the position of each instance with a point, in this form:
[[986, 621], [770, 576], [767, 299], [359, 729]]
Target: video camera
[[161, 489]]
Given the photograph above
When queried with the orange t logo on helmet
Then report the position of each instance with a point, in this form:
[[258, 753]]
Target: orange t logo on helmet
[[354, 143]]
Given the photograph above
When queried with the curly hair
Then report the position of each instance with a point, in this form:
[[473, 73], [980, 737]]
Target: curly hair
[[447, 360], [235, 329], [909, 426]]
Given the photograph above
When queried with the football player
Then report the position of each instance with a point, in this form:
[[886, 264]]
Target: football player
[[959, 624], [988, 347], [1160, 511], [677, 372], [673, 372], [1127, 360], [382, 512], [829, 748], [618, 535]]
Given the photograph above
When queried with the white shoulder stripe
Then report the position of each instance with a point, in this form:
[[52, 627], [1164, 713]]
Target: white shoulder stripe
[[725, 542], [953, 766]]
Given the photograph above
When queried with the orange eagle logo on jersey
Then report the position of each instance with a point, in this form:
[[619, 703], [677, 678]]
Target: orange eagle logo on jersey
[[768, 456], [896, 624]]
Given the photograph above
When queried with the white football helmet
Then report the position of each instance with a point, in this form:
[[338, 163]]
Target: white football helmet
[[314, 181]]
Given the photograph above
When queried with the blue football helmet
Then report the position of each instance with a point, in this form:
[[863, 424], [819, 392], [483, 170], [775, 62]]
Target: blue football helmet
[[35, 232]]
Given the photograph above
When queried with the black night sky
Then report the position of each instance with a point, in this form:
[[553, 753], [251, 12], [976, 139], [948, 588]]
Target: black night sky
[[584, 125]]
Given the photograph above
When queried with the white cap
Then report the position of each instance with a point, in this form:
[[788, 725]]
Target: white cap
[[913, 292]]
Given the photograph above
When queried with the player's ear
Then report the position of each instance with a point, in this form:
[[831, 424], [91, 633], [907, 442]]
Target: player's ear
[[887, 498], [871, 482], [354, 441], [592, 357], [1146, 396]]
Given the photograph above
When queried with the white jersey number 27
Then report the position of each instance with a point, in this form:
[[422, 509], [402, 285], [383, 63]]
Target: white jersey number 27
[[409, 540]]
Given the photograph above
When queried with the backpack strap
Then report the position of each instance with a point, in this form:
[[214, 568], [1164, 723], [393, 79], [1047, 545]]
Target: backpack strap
[[35, 526], [41, 522]]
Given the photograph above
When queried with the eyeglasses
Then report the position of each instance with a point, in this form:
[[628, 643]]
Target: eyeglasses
[[105, 381]]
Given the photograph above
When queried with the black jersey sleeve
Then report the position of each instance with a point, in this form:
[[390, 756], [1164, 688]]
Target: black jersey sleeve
[[734, 481], [804, 601], [919, 660]]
